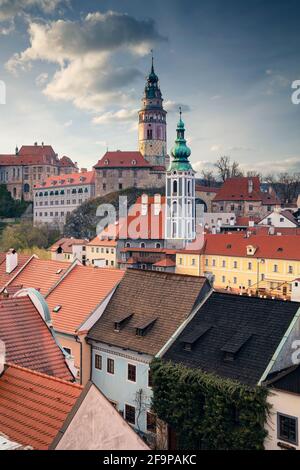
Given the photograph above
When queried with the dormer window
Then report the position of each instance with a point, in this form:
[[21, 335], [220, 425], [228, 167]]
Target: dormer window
[[190, 339], [143, 328], [106, 162], [56, 309], [251, 250], [235, 344], [120, 322], [133, 162]]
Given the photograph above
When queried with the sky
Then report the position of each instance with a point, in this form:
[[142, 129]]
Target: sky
[[75, 71]]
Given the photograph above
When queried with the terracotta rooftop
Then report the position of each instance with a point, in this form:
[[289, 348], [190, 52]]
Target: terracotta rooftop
[[237, 189], [66, 162], [166, 262], [79, 293], [71, 179], [119, 159], [28, 340], [98, 242], [66, 244], [31, 155], [267, 246], [162, 300], [40, 274], [34, 406], [207, 189], [4, 276]]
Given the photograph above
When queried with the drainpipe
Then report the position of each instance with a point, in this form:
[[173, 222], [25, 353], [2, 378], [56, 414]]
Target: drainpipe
[[78, 341]]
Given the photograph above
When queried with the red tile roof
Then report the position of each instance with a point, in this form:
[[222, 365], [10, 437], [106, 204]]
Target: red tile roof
[[31, 155], [4, 276], [28, 340], [166, 262], [206, 189], [70, 179], [67, 243], [267, 246], [34, 406], [121, 159], [82, 290], [67, 162], [237, 189], [40, 274], [149, 226], [98, 242]]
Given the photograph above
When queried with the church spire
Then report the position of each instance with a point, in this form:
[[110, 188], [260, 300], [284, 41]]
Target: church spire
[[180, 152]]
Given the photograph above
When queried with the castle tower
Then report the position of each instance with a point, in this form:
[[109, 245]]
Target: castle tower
[[152, 123], [180, 191]]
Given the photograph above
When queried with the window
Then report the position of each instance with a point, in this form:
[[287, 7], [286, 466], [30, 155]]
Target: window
[[110, 366], [234, 280], [180, 260], [275, 268], [223, 279], [250, 208], [235, 264], [98, 362], [151, 422], [290, 269], [287, 428], [130, 414], [206, 262], [250, 266], [120, 186], [131, 375], [68, 351], [193, 262], [214, 262]]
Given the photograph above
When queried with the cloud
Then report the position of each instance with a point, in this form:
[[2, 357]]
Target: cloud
[[215, 148], [122, 115], [68, 123], [41, 79], [84, 51], [237, 148], [173, 107], [285, 165], [10, 8]]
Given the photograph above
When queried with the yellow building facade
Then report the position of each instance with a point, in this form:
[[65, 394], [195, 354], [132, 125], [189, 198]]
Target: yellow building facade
[[102, 253], [248, 267]]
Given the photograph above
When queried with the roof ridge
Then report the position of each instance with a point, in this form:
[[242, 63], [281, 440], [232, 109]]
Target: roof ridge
[[40, 374]]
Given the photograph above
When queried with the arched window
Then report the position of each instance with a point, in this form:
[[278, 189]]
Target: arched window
[[174, 209], [127, 245], [175, 187], [189, 188], [157, 245], [142, 245], [26, 188], [15, 192]]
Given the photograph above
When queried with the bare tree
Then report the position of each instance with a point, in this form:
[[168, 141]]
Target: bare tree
[[253, 174], [209, 177], [227, 169]]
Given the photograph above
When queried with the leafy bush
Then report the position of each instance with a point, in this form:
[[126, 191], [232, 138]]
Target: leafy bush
[[207, 411], [8, 206]]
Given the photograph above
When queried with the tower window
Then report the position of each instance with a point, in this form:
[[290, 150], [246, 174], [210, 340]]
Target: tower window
[[149, 134], [175, 187]]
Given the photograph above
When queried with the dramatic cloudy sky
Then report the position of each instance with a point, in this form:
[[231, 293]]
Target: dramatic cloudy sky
[[75, 71]]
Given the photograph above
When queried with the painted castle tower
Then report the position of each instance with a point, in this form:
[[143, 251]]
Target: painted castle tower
[[180, 191], [152, 123]]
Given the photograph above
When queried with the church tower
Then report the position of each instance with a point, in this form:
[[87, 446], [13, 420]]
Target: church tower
[[180, 191], [152, 123]]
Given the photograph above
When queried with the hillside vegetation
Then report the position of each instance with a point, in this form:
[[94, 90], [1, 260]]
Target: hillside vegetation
[[9, 208]]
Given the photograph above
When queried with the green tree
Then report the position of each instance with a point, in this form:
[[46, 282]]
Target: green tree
[[24, 235]]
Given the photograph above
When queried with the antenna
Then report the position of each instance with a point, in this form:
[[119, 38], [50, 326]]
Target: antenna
[[152, 57], [180, 111]]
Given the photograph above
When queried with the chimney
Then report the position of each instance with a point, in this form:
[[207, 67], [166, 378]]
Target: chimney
[[2, 356], [17, 151], [35, 144], [11, 260], [295, 296], [250, 186], [83, 170]]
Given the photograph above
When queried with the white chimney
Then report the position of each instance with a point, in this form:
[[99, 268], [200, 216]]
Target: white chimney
[[11, 260], [295, 296], [2, 356], [250, 186]]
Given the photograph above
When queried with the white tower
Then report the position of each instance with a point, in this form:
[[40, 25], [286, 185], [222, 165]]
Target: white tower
[[180, 191]]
